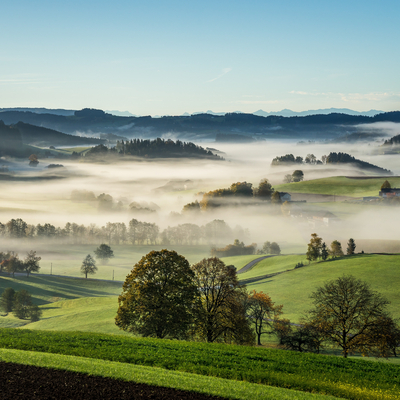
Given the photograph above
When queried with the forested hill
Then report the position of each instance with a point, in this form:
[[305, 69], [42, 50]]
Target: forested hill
[[44, 137], [199, 125], [10, 138], [344, 158], [158, 148]]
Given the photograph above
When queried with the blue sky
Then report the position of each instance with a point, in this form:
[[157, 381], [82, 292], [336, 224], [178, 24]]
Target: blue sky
[[170, 57]]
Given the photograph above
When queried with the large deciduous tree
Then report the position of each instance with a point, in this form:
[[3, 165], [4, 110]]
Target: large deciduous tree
[[221, 313], [298, 175], [336, 249], [314, 248], [349, 314], [264, 190], [31, 262], [88, 266], [104, 253], [158, 296]]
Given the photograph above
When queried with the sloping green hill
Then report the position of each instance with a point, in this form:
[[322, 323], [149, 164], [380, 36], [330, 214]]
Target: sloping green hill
[[292, 288], [339, 186]]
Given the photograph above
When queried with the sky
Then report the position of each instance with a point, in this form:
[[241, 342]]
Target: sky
[[171, 57]]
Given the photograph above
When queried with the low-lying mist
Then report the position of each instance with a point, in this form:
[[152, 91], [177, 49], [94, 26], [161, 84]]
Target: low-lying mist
[[155, 191]]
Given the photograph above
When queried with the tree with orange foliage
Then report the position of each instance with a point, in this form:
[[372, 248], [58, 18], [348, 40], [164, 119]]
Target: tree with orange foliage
[[263, 313]]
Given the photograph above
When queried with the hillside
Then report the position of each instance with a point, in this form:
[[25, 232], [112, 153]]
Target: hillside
[[201, 125], [293, 287], [44, 137], [339, 186]]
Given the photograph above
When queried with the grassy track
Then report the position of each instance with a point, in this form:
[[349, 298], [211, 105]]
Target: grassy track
[[157, 376], [272, 265], [339, 185], [348, 378], [292, 289], [240, 261]]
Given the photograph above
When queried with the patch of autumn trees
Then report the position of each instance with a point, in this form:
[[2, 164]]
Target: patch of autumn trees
[[164, 296], [11, 263]]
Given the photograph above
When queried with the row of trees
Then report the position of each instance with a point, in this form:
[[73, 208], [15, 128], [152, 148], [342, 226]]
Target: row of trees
[[11, 263], [291, 159], [164, 297], [20, 304], [136, 232], [317, 249]]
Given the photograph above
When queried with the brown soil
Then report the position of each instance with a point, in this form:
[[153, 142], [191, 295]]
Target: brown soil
[[28, 382]]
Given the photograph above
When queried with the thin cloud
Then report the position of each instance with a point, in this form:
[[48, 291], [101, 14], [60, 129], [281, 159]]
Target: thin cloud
[[256, 102], [224, 72]]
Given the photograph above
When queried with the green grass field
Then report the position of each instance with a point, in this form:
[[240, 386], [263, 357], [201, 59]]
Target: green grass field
[[348, 378], [225, 388], [292, 288], [240, 261], [66, 259], [339, 185]]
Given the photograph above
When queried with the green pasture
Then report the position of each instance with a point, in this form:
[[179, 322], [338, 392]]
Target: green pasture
[[240, 261], [339, 185], [292, 288], [345, 378], [66, 259], [225, 388], [87, 314], [67, 303], [273, 265]]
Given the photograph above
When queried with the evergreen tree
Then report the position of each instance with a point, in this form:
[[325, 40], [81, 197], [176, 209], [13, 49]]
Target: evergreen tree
[[351, 246], [324, 251], [386, 185], [7, 300]]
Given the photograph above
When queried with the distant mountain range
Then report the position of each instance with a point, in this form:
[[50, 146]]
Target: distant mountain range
[[324, 111], [283, 113], [289, 113], [197, 127]]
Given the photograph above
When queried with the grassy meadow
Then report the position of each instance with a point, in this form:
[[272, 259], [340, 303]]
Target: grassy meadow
[[292, 288], [336, 376], [66, 259], [339, 186], [225, 388]]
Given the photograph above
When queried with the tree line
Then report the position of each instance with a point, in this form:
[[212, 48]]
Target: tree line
[[135, 232], [331, 158], [317, 249], [165, 297]]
